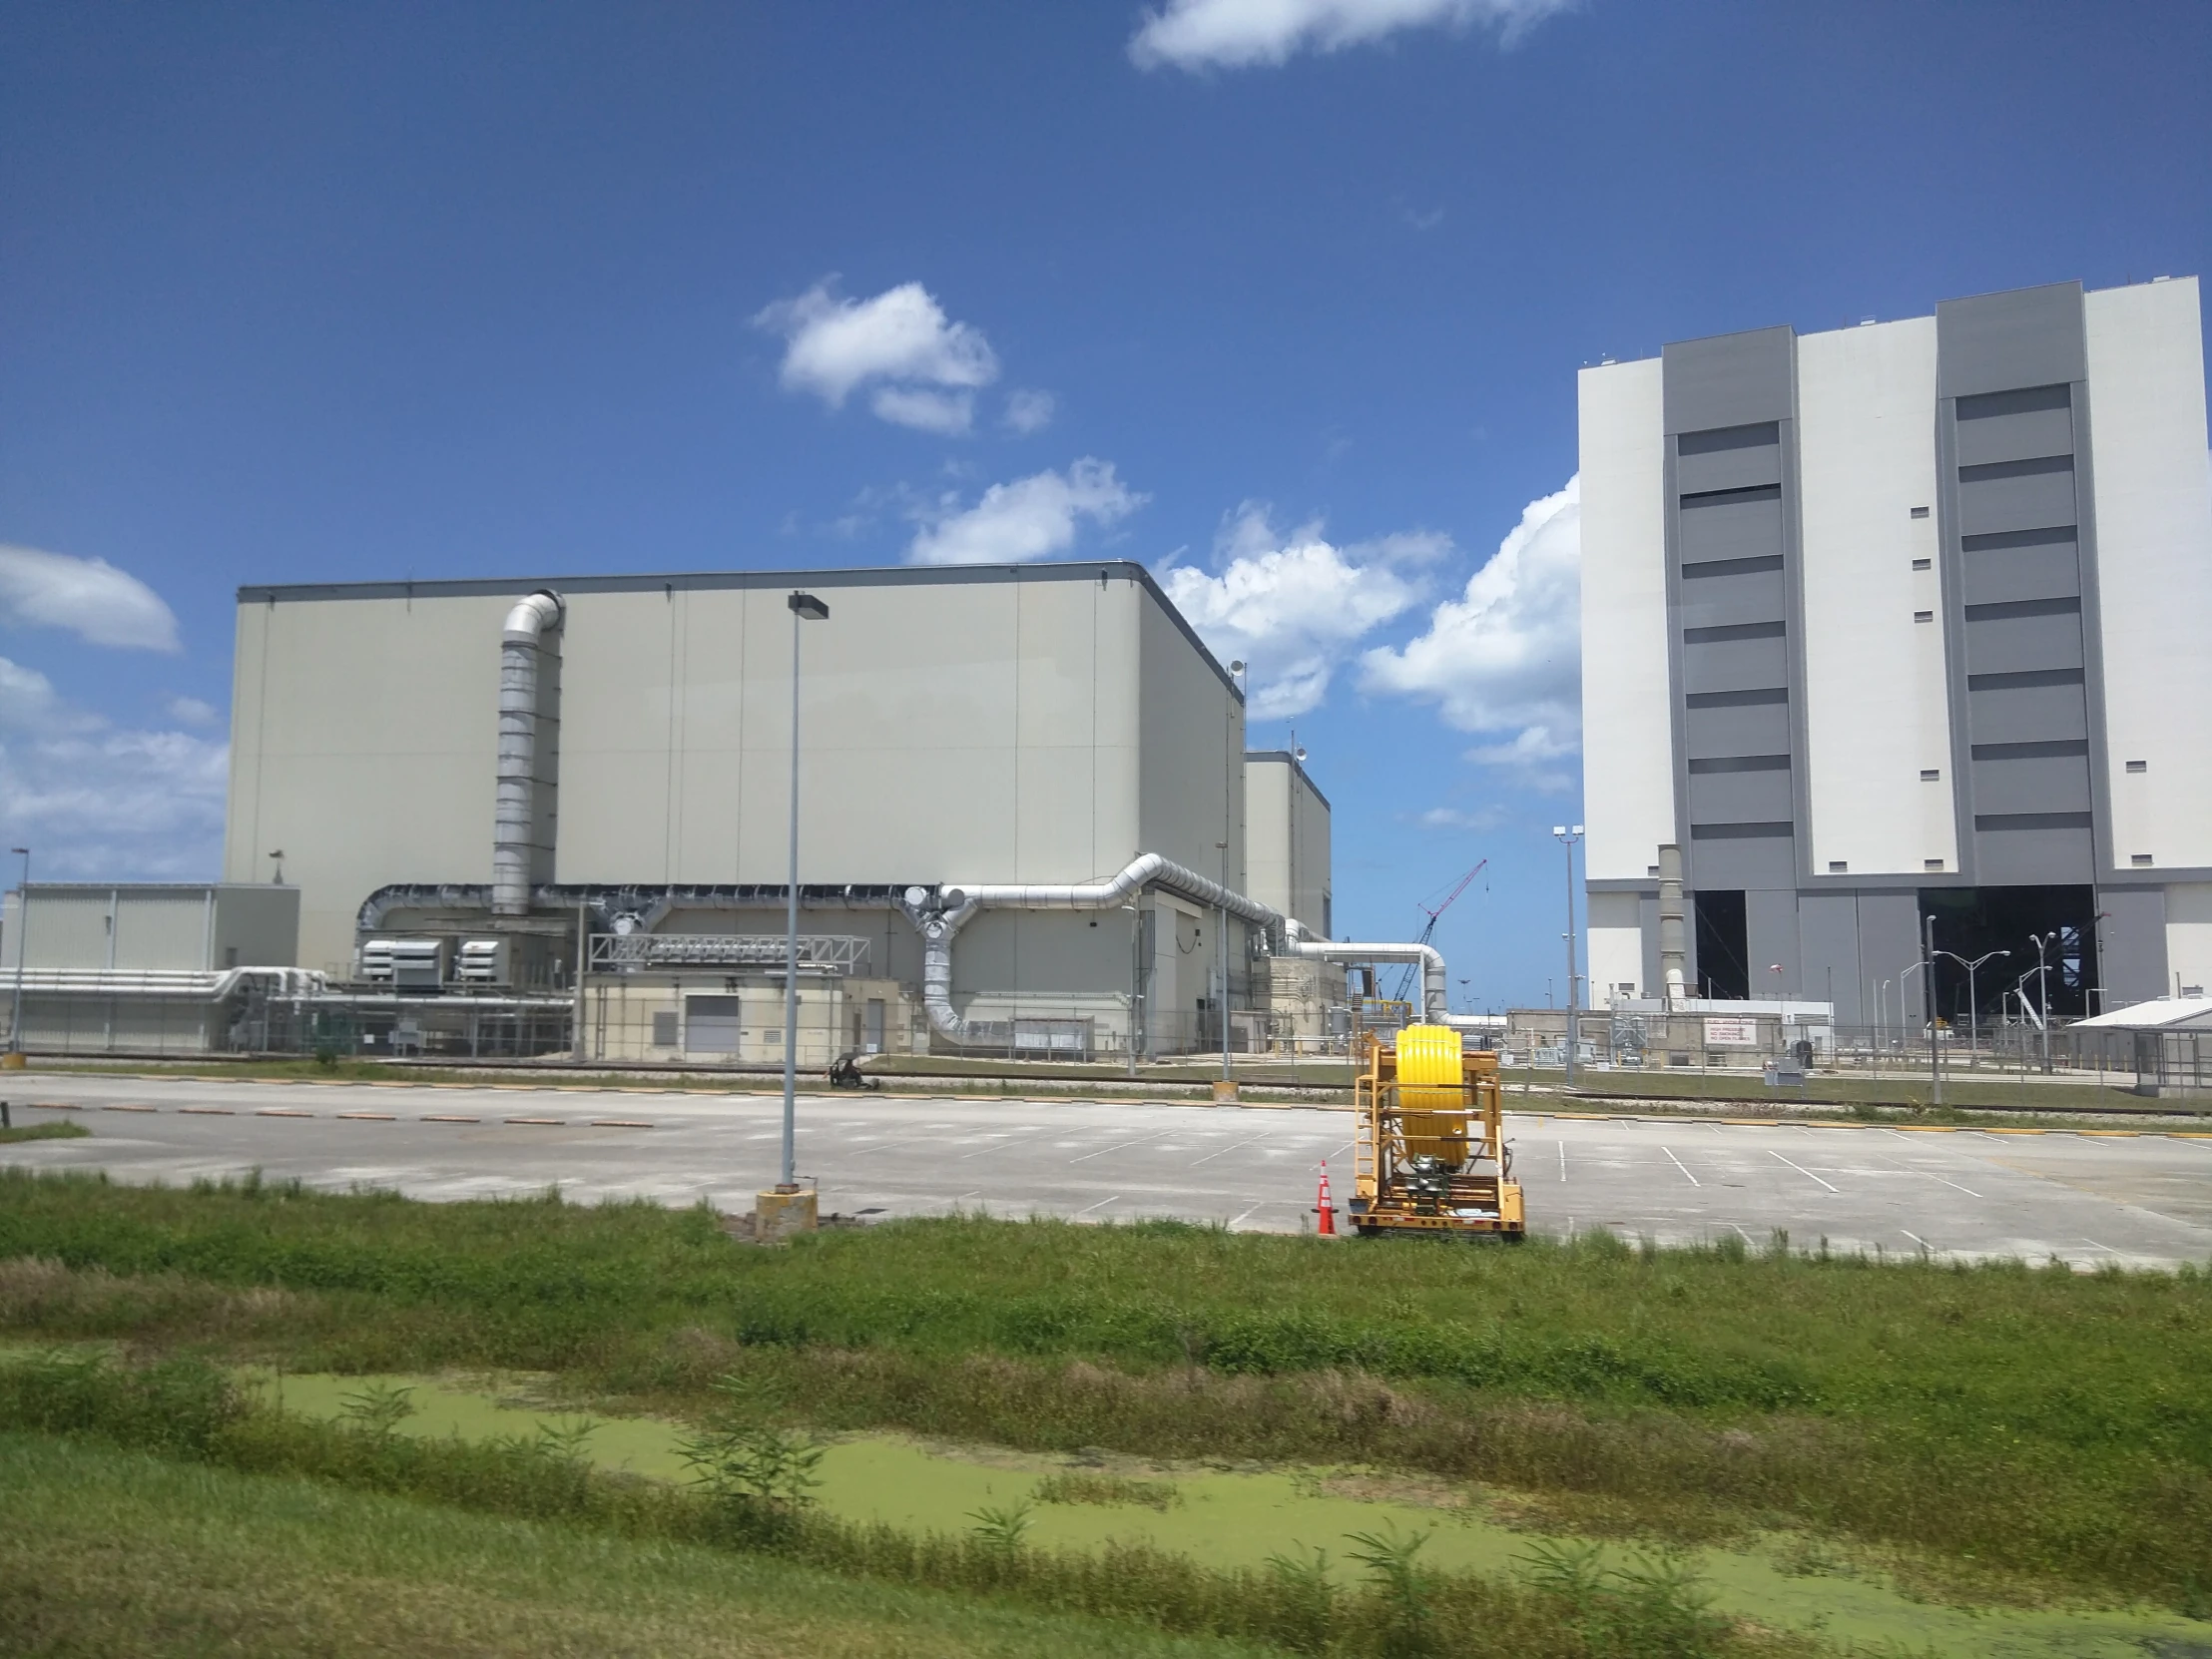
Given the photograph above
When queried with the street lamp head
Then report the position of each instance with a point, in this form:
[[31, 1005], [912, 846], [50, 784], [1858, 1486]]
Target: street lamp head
[[1236, 667], [1558, 830], [808, 607]]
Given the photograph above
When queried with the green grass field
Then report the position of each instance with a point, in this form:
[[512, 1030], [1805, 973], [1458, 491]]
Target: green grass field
[[2020, 1430]]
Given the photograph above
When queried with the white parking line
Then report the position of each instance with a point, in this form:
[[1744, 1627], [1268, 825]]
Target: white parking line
[[1218, 1151], [1917, 1239], [1562, 1159], [1100, 1205], [1802, 1169], [1684, 1168], [1118, 1144], [1904, 1169]]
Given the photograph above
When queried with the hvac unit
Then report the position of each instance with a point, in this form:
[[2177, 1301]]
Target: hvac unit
[[404, 964], [482, 962]]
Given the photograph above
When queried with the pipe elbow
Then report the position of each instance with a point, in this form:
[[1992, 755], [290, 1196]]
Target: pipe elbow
[[534, 615]]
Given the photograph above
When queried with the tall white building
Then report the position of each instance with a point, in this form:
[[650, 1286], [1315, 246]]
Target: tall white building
[[1906, 620]]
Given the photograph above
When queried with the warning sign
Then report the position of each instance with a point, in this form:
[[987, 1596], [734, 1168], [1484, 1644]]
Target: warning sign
[[1731, 1033]]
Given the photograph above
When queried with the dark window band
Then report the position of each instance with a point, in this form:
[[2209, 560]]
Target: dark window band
[[2051, 750], [2028, 820], [1732, 567], [1743, 763], [2021, 538], [2016, 469], [1736, 699], [2027, 400], [2026, 677], [1739, 832], [1734, 631], [2064, 606], [1727, 498], [1761, 435]]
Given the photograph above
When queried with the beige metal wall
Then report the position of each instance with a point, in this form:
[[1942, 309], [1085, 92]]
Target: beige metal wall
[[151, 925], [1003, 725], [1287, 839]]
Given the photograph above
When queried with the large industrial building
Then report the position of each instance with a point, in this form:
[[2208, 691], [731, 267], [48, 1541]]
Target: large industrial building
[[1899, 621], [1026, 819]]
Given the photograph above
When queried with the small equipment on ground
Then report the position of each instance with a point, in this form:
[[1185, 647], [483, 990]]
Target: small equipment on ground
[[1429, 1153]]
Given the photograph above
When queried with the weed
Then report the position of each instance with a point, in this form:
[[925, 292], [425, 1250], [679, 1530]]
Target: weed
[[1403, 1585], [378, 1408], [1076, 1488], [1001, 1527]]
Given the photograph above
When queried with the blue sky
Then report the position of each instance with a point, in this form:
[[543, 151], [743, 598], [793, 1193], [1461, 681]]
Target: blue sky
[[1282, 299]]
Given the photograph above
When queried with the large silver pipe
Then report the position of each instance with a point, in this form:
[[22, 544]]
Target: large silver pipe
[[940, 916], [1434, 985], [1673, 933], [514, 821]]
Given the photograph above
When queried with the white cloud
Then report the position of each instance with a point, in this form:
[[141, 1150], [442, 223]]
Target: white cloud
[[93, 801], [925, 365], [1295, 606], [1030, 518], [1236, 34], [1504, 659], [190, 711], [925, 411], [89, 597], [1455, 818], [1029, 411]]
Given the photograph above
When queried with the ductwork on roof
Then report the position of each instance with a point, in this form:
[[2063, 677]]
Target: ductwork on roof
[[514, 823]]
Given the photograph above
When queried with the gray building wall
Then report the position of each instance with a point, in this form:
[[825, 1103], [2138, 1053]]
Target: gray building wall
[[1040, 723], [2012, 617], [157, 927]]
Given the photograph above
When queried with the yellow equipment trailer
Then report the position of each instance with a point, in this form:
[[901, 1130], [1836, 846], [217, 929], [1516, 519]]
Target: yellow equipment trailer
[[1429, 1153]]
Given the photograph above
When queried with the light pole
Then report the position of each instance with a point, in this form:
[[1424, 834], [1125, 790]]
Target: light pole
[[1568, 837], [1928, 996], [2042, 988], [1221, 957], [22, 938], [804, 607], [1973, 1008]]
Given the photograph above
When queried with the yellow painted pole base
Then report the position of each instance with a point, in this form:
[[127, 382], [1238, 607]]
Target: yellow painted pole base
[[777, 1215], [1225, 1091], [14, 1061]]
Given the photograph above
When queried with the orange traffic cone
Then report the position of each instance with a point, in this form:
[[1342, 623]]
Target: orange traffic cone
[[1323, 1208]]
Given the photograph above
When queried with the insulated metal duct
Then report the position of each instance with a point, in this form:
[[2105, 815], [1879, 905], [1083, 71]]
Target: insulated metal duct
[[1434, 985], [939, 915], [1673, 941], [515, 811]]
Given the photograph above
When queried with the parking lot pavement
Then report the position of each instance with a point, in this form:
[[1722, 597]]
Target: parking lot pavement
[[2084, 1198]]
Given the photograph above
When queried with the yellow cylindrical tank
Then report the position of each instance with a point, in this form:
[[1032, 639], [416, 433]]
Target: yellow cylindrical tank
[[1430, 1083]]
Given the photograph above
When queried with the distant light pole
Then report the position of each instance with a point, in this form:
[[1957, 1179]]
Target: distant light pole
[[1928, 996], [1973, 1008], [804, 607], [1568, 837], [1221, 957], [22, 938], [2042, 988]]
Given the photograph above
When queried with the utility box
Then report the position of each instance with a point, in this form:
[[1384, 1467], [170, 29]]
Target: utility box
[[1785, 1074]]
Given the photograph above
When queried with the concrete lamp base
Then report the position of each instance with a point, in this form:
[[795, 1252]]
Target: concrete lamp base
[[14, 1061], [778, 1214], [1225, 1092]]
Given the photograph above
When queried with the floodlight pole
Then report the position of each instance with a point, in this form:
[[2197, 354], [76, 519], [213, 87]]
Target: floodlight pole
[[1220, 955], [1973, 1008], [2043, 990], [804, 607], [22, 938], [1568, 837], [1928, 992]]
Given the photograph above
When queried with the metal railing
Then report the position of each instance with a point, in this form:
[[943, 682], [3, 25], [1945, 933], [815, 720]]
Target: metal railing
[[840, 953]]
